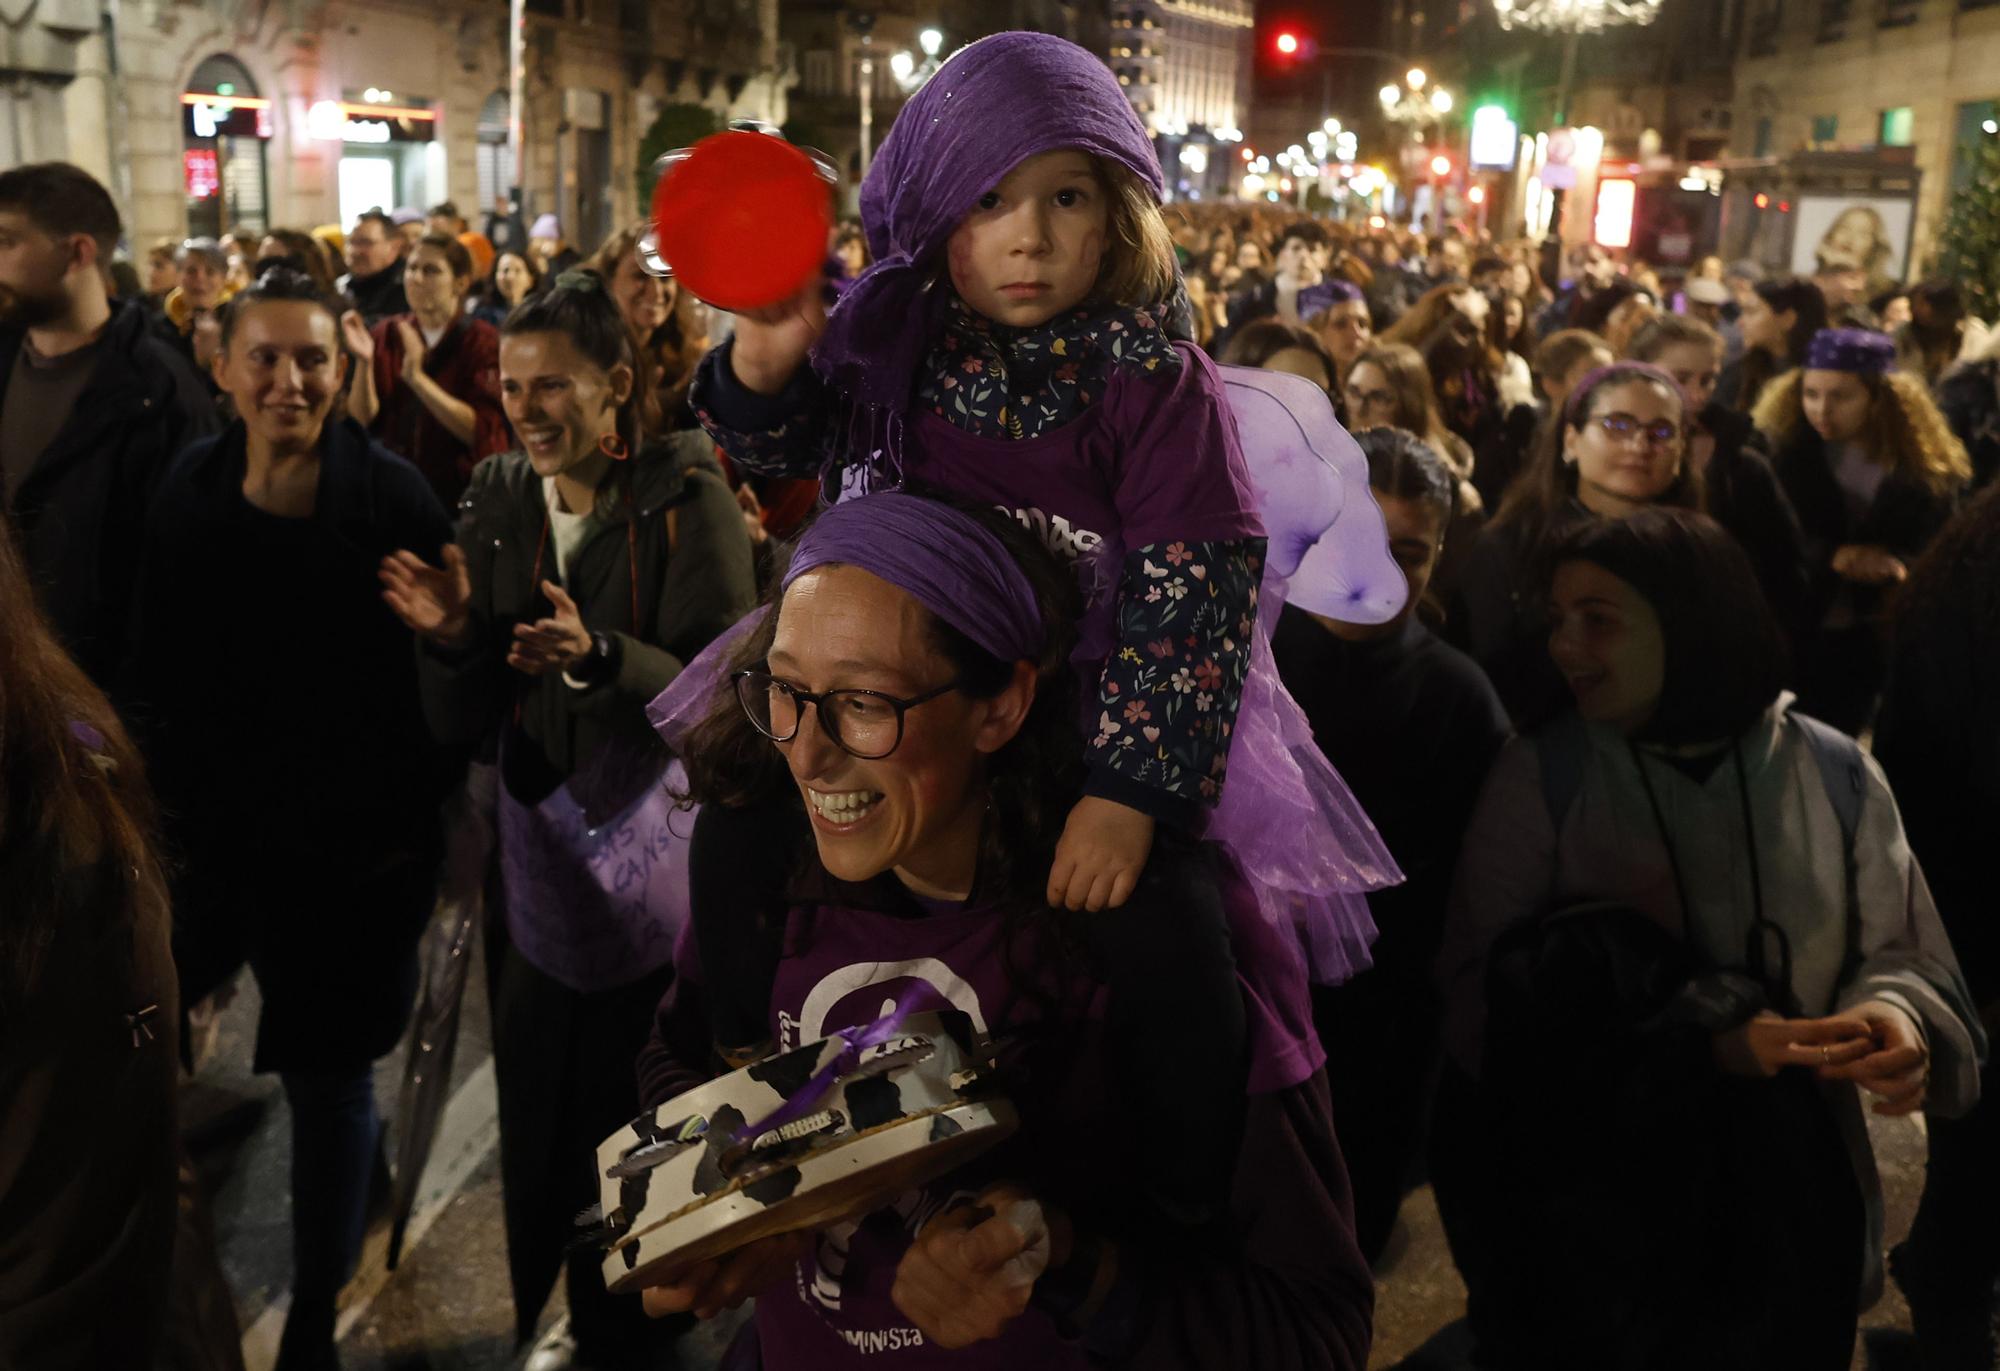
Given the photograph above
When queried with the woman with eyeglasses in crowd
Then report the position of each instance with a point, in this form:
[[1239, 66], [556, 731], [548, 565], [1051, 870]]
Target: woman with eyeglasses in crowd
[[1619, 446], [1687, 940], [428, 383], [591, 563]]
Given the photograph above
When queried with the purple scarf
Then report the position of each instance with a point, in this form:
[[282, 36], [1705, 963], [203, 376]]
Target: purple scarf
[[943, 559], [990, 107]]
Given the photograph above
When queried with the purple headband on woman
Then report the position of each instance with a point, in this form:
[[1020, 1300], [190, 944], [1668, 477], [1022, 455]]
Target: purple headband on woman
[[1325, 295], [1639, 371], [1859, 351], [943, 559]]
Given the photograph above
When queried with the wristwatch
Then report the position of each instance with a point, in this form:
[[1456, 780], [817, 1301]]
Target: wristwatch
[[599, 662]]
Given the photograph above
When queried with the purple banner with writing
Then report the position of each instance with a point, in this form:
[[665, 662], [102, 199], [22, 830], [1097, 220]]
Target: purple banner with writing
[[596, 906]]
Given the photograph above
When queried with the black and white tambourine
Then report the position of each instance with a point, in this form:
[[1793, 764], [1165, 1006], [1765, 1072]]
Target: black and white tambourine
[[802, 1140]]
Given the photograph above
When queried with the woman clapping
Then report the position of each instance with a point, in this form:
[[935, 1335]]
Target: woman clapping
[[428, 383], [590, 566]]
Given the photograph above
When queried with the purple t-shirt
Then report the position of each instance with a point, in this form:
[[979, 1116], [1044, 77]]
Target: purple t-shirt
[[1157, 459], [848, 967]]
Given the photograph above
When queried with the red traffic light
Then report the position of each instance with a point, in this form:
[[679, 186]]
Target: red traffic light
[[1288, 43]]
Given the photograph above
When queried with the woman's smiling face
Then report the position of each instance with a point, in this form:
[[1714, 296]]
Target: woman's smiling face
[[917, 811]]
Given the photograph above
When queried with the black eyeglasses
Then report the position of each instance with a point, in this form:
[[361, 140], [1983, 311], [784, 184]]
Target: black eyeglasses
[[1620, 425], [864, 723]]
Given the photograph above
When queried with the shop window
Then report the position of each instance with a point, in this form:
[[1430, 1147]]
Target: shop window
[[1765, 27], [818, 74], [1896, 128], [1978, 122], [1898, 14], [225, 123], [1832, 20], [1825, 129], [493, 160]]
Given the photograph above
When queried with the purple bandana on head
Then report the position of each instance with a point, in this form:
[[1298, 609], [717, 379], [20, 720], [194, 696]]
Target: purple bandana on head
[[941, 558], [1860, 351], [991, 106], [1324, 296]]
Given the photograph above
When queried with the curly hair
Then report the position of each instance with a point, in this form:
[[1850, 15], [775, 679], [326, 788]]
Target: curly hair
[[1906, 431], [1032, 781]]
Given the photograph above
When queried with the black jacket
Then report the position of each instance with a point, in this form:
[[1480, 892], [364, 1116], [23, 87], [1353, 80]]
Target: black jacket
[[299, 785], [1745, 497], [379, 296], [694, 575], [1904, 516], [81, 510]]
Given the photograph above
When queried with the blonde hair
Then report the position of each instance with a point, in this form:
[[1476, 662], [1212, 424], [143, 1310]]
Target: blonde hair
[[1905, 430], [1140, 266]]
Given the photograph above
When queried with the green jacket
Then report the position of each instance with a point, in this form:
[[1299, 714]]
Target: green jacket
[[672, 508]]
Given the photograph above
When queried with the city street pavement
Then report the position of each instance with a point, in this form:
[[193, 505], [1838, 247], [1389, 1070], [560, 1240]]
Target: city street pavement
[[447, 1306]]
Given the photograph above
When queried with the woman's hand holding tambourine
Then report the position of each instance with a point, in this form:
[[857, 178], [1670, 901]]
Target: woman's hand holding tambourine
[[710, 1287], [972, 1270]]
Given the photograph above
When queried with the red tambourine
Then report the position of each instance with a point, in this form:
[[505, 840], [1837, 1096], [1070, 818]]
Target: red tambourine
[[741, 218]]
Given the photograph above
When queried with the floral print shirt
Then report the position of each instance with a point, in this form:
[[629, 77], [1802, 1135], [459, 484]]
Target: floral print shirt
[[1167, 697]]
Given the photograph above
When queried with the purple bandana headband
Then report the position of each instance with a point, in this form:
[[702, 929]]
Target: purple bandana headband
[[1324, 296], [1619, 371], [943, 559], [990, 107], [1859, 351]]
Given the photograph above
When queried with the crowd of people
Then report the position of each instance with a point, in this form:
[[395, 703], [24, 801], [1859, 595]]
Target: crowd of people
[[1648, 834]]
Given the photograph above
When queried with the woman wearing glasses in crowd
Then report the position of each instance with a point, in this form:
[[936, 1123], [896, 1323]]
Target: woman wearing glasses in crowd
[[591, 563], [1687, 941], [1619, 446], [427, 383]]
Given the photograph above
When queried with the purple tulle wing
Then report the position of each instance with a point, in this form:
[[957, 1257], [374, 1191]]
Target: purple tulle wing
[[1328, 541]]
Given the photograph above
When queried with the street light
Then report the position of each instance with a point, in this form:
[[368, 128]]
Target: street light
[[1415, 78], [901, 66], [931, 41], [1331, 127], [1441, 100]]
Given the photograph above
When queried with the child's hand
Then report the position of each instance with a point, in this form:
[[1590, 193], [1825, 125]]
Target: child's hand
[[771, 344], [1103, 849]]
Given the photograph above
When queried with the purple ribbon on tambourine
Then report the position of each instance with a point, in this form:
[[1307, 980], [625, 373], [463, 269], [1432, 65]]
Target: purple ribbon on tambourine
[[802, 1101]]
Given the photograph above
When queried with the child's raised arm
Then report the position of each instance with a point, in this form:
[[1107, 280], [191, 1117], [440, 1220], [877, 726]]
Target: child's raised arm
[[757, 396]]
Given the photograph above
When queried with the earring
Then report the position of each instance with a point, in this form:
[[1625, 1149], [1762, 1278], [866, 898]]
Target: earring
[[612, 446]]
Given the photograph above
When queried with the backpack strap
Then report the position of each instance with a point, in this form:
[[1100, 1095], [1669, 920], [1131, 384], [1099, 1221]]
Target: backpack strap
[[1841, 770], [1845, 776]]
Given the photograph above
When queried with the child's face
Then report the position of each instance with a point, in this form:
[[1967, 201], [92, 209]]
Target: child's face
[[1032, 247]]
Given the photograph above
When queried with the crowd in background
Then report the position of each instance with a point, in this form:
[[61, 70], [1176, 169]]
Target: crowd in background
[[1677, 505]]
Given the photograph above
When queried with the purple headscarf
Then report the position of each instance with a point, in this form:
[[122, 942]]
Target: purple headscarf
[[1860, 351], [943, 559], [992, 105], [1324, 296]]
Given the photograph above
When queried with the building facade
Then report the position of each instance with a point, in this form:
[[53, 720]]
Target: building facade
[[1186, 67], [1915, 80], [207, 115]]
